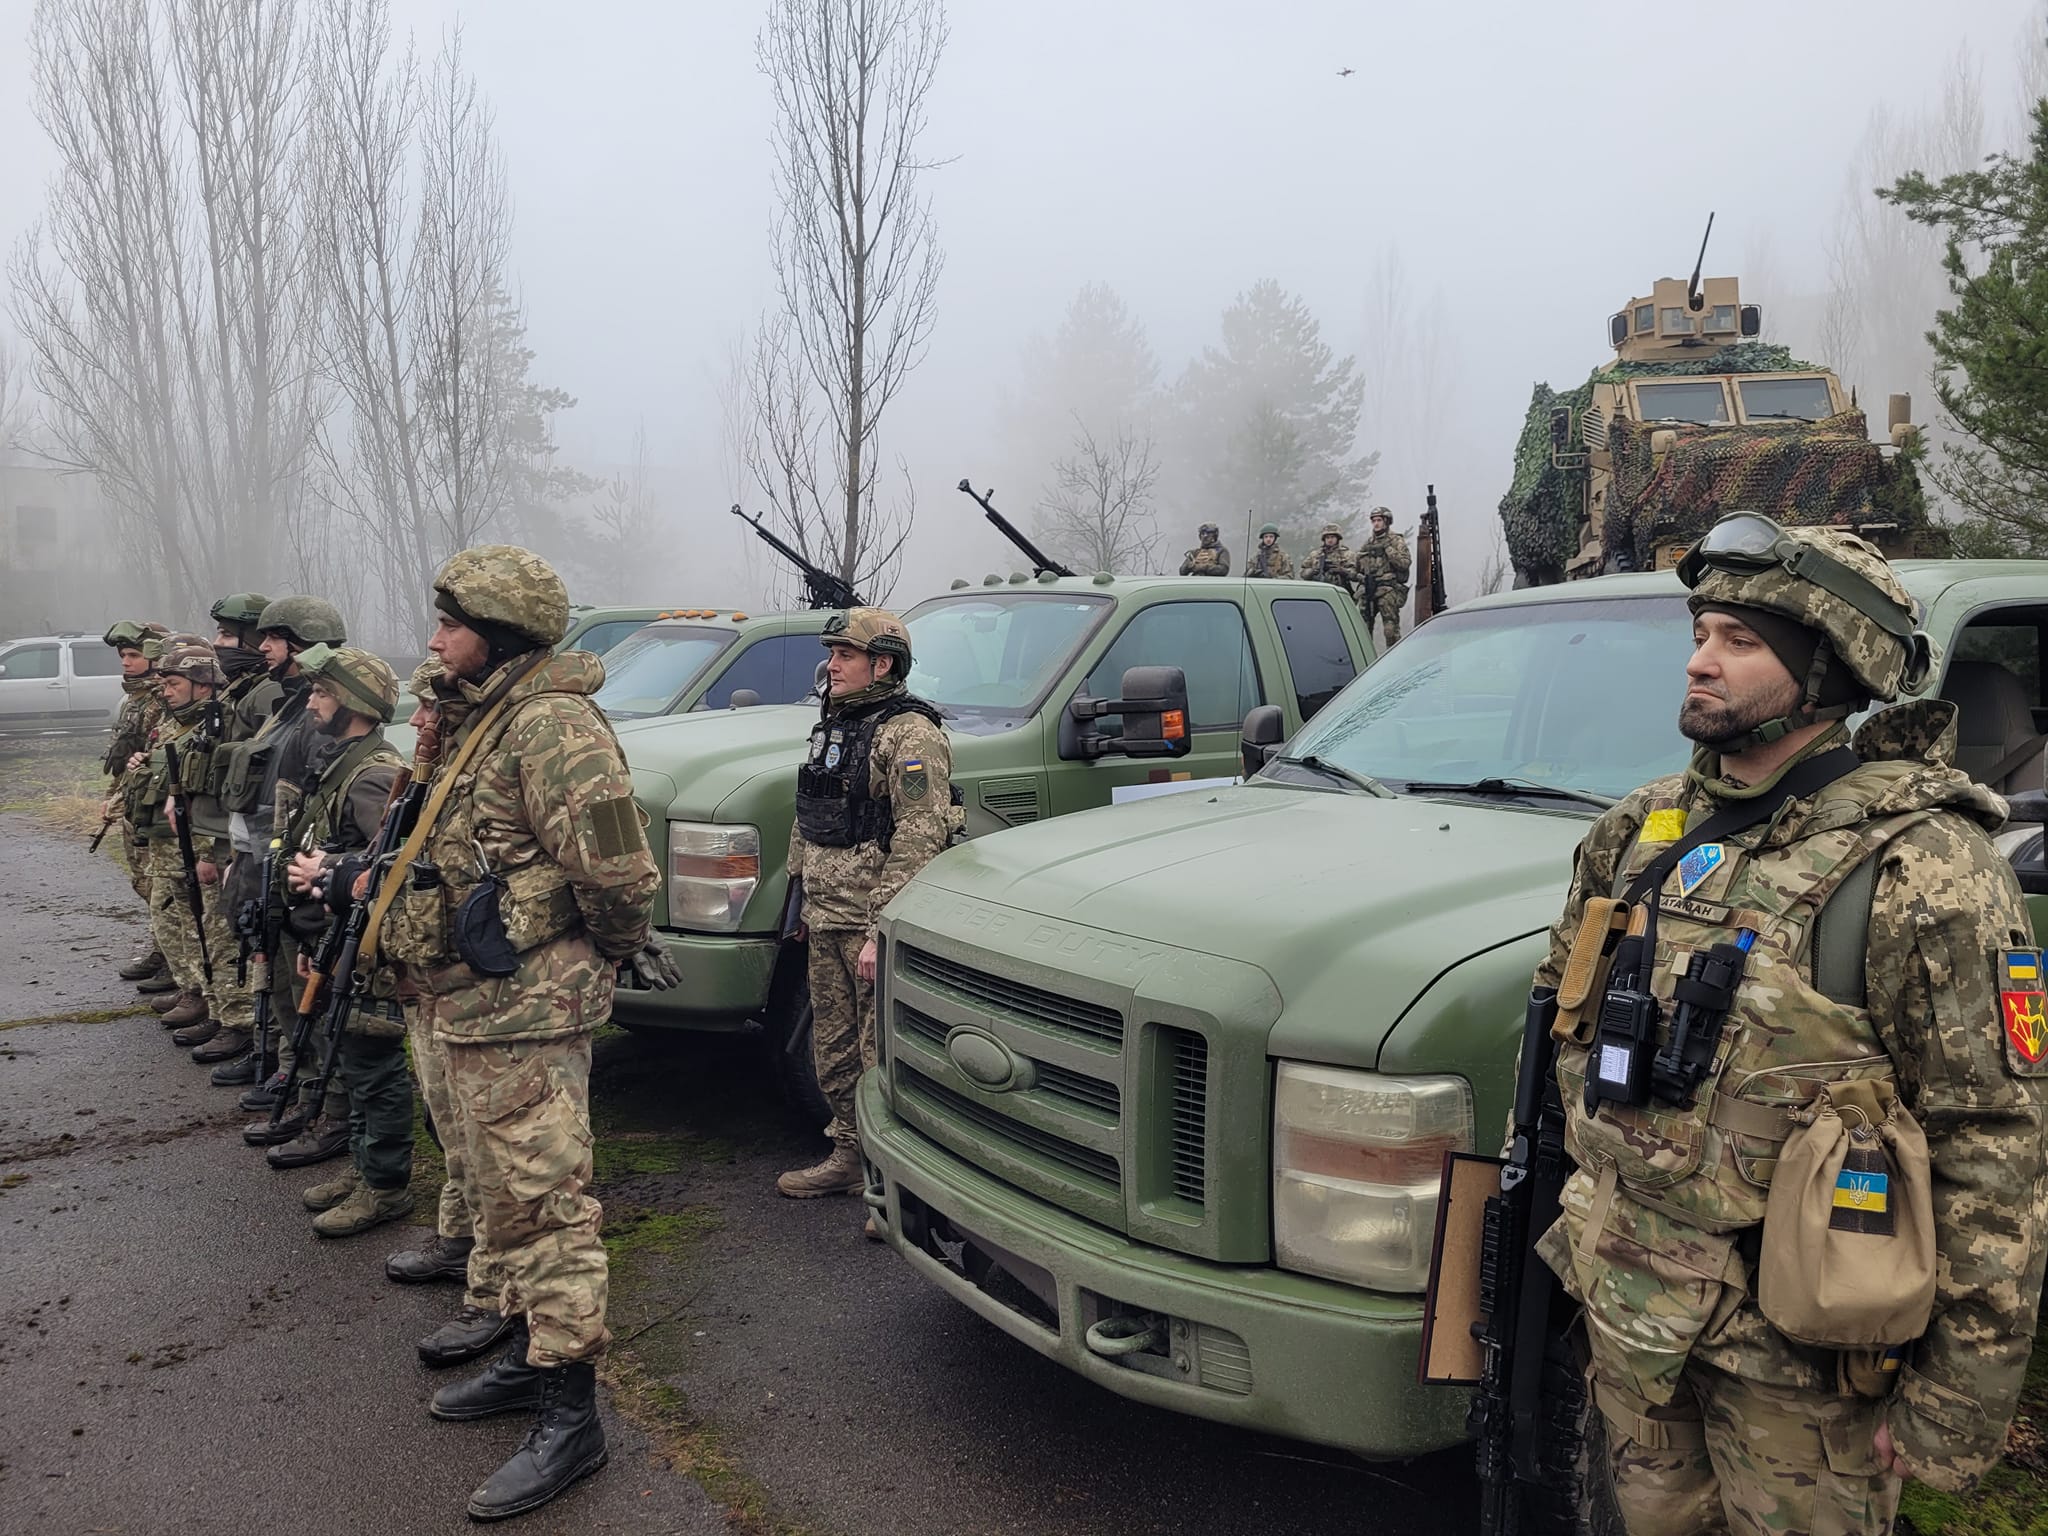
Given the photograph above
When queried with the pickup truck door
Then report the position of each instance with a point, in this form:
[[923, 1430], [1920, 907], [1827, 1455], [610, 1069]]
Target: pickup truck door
[[94, 673], [1208, 640], [33, 690]]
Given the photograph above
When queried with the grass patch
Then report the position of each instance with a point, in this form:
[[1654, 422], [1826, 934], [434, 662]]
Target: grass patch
[[2013, 1498], [623, 1154], [685, 1443], [429, 1167], [636, 1233], [82, 1016]]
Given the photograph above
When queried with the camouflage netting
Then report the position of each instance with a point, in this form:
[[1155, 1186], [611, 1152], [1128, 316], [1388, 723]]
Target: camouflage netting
[[1812, 472]]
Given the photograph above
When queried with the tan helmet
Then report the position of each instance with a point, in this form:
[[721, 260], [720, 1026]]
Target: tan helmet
[[363, 682], [190, 657], [424, 676], [1329, 529], [1825, 578], [506, 587], [1379, 512], [874, 630]]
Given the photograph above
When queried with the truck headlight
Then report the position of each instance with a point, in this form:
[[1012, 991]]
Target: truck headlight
[[1357, 1160], [712, 872]]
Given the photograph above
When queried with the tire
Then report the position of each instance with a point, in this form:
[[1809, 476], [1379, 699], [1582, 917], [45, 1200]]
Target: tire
[[788, 1037]]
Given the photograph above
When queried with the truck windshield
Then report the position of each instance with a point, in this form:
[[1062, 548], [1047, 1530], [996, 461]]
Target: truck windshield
[[1579, 695], [987, 660], [644, 673], [1800, 399], [1701, 400]]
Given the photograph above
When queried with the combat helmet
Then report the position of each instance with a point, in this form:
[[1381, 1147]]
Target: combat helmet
[[146, 637], [1266, 528], [190, 657], [306, 620], [363, 682], [1205, 528], [874, 630], [506, 594], [1828, 580], [1329, 529], [1378, 512], [424, 676], [239, 613]]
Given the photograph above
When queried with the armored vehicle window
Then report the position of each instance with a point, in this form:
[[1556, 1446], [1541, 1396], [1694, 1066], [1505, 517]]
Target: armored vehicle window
[[781, 669], [1207, 641], [30, 661], [1700, 400], [645, 673], [1677, 323], [600, 638], [1720, 320], [1581, 694], [988, 661], [1646, 318], [1798, 399], [91, 659], [1316, 652]]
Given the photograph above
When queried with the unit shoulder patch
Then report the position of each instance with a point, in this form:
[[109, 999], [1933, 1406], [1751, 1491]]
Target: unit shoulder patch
[[2021, 1002]]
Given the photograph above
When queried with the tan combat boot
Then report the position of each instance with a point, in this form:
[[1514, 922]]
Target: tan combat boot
[[363, 1209], [188, 1010], [326, 1196], [839, 1174]]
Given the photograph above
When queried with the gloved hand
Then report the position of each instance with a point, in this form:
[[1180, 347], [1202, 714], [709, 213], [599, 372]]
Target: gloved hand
[[651, 967]]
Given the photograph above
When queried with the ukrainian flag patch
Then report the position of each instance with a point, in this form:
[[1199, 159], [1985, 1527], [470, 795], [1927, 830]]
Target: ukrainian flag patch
[[1857, 1191], [1666, 826]]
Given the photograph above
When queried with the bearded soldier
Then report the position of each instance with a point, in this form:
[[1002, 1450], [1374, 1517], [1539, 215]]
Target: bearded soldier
[[1820, 947], [142, 706], [1208, 558], [1382, 581], [526, 883], [874, 803], [1331, 563], [1269, 559]]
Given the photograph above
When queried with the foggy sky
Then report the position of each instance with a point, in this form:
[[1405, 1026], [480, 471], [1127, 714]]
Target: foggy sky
[[1539, 164]]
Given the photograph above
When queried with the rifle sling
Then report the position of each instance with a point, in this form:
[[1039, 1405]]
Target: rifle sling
[[445, 776]]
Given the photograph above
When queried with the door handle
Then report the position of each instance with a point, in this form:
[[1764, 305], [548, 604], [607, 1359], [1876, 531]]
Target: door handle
[[57, 684]]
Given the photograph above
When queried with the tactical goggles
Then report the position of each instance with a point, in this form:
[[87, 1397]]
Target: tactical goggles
[[1746, 543]]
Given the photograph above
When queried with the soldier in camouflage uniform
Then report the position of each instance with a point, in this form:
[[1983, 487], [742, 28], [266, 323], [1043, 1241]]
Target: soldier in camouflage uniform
[[142, 705], [349, 786], [874, 804], [1715, 1419], [1208, 558], [1382, 584], [509, 908], [1332, 562], [1269, 559]]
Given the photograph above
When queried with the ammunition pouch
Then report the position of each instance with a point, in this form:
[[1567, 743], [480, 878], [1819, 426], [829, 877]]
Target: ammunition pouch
[[504, 916], [830, 815], [480, 937]]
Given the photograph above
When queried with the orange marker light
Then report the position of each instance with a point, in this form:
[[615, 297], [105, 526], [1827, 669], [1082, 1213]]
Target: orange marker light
[[1173, 725]]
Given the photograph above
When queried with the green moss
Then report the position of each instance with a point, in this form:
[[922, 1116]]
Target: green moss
[[429, 1167], [635, 1233], [82, 1016], [622, 1154]]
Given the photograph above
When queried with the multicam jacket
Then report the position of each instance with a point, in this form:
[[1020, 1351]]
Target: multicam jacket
[[1332, 566], [1206, 560], [1271, 563], [1382, 566], [910, 764], [546, 802], [142, 705], [1660, 1227]]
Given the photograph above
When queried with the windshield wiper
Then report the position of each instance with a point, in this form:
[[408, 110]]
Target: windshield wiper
[[1779, 416], [1330, 770], [1508, 787]]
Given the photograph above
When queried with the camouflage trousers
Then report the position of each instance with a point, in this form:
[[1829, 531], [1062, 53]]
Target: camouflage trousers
[[137, 855], [842, 1024], [523, 1112], [457, 1215], [287, 988], [1385, 607], [170, 918], [1749, 1459]]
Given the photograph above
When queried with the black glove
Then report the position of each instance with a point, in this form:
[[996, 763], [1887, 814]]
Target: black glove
[[651, 967]]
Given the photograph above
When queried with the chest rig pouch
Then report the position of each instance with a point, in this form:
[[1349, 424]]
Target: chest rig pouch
[[835, 803]]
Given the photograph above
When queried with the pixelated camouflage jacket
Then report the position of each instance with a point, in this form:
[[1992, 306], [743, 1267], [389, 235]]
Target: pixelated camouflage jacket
[[1333, 568], [911, 766], [1204, 561], [142, 705], [548, 800], [1382, 563], [1273, 563], [1943, 904]]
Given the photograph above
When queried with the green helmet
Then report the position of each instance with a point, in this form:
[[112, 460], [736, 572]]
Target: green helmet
[[145, 636], [308, 620], [364, 683], [1206, 528], [506, 587], [874, 630], [1266, 528], [1827, 579], [239, 613]]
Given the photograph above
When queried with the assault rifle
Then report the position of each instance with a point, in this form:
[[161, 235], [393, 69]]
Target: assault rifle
[[107, 819], [258, 923], [1041, 562], [1430, 597], [181, 818], [826, 590]]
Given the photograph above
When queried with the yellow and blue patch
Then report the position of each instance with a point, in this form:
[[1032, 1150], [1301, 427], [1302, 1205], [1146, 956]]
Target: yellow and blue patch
[[1861, 1191], [2023, 1010], [915, 784]]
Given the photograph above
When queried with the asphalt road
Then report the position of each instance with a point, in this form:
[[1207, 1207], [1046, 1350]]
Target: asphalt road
[[178, 1352]]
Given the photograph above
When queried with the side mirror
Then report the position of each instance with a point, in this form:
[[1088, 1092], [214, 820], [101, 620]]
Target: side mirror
[[821, 682], [2029, 805], [1264, 729], [1154, 711], [1560, 428], [743, 698]]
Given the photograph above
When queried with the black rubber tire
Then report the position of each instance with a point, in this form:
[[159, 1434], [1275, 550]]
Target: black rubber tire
[[787, 1035]]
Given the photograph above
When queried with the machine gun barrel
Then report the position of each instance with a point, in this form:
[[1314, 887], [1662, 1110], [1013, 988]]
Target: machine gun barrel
[[826, 590], [1041, 562]]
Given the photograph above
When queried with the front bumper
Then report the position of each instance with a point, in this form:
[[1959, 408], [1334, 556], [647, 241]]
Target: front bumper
[[725, 983], [1240, 1344]]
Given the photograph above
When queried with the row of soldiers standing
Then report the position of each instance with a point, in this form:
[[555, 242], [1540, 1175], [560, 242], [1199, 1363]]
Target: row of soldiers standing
[[1376, 574], [474, 903]]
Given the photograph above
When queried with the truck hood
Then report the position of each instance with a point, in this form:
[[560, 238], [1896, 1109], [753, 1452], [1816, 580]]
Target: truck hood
[[1351, 904], [704, 756]]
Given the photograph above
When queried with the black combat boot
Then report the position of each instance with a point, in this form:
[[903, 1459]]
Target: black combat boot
[[265, 1094], [244, 1070], [469, 1335], [567, 1442], [229, 1044], [508, 1385], [445, 1258]]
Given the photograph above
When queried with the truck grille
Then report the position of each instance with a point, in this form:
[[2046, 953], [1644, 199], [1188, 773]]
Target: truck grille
[[1089, 1023], [1073, 1090], [1020, 1139], [1190, 1114]]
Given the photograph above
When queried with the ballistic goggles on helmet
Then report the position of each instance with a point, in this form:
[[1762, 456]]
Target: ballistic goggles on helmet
[[1744, 543]]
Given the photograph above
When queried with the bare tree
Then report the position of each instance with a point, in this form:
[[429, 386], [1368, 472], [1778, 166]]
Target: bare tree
[[1098, 511], [857, 265], [14, 412], [627, 508]]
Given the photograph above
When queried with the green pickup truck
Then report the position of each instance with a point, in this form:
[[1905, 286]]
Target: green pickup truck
[[1164, 1089], [1021, 670]]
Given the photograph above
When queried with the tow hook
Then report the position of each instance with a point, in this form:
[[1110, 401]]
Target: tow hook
[[1128, 1333]]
